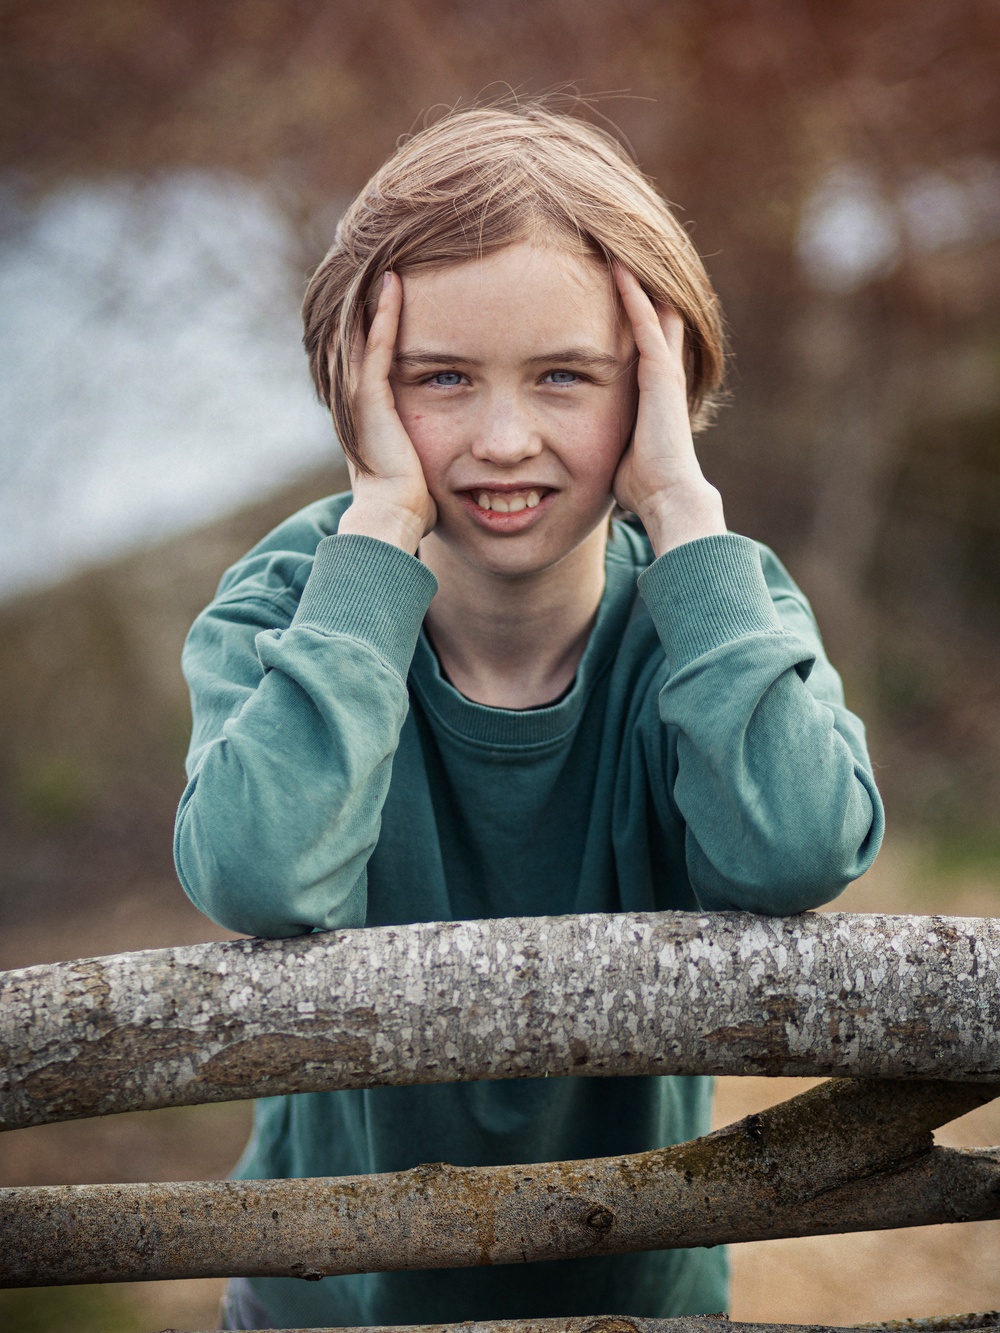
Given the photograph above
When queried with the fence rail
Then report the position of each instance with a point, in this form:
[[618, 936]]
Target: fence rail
[[646, 993], [907, 1008], [694, 1324], [849, 1155]]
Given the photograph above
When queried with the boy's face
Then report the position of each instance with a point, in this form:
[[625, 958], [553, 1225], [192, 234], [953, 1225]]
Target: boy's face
[[514, 378]]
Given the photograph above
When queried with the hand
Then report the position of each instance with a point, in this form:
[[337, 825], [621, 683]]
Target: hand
[[391, 500], [659, 477]]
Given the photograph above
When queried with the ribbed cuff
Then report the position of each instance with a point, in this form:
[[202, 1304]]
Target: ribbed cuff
[[707, 593], [369, 590]]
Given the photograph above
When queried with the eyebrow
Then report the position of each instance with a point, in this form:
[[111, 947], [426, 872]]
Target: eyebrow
[[567, 356], [579, 356], [422, 358]]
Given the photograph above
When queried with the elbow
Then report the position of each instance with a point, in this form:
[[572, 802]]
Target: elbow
[[827, 849], [803, 864], [235, 876], [810, 875], [229, 893], [799, 886], [775, 894]]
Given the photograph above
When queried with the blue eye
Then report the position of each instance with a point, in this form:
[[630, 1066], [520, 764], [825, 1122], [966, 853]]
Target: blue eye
[[561, 377], [448, 379]]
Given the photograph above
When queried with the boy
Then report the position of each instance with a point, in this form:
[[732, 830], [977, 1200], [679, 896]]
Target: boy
[[454, 693]]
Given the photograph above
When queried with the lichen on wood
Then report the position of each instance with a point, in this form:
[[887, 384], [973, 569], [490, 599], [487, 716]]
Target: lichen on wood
[[613, 1323], [620, 994], [846, 1156]]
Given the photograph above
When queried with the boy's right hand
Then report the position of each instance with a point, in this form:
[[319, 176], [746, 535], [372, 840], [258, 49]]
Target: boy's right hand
[[391, 501]]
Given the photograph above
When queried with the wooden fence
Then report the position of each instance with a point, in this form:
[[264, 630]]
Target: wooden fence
[[902, 1012]]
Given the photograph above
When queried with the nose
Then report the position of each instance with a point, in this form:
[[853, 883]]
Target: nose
[[506, 432]]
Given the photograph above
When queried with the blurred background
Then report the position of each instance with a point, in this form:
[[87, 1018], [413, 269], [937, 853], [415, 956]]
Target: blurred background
[[170, 172]]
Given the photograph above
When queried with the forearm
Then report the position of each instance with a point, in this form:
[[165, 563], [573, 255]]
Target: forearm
[[276, 825], [772, 778], [779, 816], [293, 750]]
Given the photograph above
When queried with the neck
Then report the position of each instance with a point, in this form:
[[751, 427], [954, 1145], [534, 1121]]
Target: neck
[[514, 642]]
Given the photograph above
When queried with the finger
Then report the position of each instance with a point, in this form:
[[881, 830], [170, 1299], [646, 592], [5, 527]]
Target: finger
[[658, 333], [357, 352], [381, 341], [672, 325], [646, 330], [359, 340]]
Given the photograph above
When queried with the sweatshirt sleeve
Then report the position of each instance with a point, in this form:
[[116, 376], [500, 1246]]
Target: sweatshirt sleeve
[[771, 775], [297, 715]]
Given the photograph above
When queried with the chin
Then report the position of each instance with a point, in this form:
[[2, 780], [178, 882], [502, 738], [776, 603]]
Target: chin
[[513, 563]]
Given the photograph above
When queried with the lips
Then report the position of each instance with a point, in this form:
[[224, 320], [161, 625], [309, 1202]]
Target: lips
[[507, 506]]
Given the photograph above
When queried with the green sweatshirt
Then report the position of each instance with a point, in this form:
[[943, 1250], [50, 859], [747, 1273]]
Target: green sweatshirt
[[703, 759]]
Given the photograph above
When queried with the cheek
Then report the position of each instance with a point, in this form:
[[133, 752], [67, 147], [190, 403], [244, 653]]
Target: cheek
[[431, 435], [606, 435]]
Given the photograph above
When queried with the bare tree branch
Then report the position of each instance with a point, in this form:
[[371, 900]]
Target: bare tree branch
[[612, 1323], [846, 1156], [649, 993]]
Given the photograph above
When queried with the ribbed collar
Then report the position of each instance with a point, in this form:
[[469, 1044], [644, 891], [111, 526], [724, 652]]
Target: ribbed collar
[[517, 728]]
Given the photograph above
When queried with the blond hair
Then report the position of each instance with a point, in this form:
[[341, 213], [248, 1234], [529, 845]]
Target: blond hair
[[479, 180]]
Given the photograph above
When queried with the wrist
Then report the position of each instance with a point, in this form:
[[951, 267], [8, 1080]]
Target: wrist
[[683, 514], [392, 523]]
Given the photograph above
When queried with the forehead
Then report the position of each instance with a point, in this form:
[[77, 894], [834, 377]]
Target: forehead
[[526, 298]]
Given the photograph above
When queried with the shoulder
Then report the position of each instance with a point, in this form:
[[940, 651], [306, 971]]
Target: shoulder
[[790, 602], [262, 590], [779, 582], [277, 567], [713, 593]]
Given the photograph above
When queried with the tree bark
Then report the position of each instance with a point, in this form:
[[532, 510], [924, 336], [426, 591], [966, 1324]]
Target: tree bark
[[616, 1323], [622, 994], [846, 1156]]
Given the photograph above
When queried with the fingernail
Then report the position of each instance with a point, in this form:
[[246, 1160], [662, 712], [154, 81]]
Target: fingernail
[[386, 278]]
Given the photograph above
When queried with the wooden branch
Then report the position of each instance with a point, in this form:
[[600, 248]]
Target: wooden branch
[[846, 1156], [650, 993], [936, 1323], [616, 1323]]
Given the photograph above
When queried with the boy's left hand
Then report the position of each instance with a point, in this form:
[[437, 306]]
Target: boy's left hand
[[659, 477]]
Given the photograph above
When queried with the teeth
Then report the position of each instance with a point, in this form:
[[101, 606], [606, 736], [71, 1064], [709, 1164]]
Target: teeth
[[508, 504]]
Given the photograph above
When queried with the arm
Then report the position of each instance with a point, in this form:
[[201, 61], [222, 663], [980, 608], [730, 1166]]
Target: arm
[[770, 774], [298, 710], [296, 720]]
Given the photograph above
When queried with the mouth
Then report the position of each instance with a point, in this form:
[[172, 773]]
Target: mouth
[[510, 501], [506, 506], [506, 498]]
